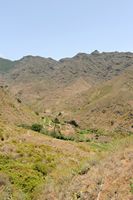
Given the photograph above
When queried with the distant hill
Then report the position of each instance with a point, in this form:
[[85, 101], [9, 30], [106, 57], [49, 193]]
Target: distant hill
[[6, 65]]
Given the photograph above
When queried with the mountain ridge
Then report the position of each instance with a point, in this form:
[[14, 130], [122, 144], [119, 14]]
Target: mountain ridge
[[47, 84]]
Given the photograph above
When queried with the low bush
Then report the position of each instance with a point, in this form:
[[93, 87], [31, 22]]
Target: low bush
[[131, 186], [36, 127], [41, 168], [92, 131]]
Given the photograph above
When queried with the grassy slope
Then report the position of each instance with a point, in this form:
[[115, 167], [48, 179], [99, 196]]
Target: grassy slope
[[34, 166], [13, 111], [29, 161], [110, 178]]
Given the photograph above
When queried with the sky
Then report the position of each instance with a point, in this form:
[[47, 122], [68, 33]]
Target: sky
[[63, 28]]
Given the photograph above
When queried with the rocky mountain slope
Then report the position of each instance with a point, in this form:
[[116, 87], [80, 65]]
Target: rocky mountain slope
[[45, 81], [95, 88]]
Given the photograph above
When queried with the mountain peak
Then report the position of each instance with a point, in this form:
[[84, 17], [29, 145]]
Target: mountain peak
[[96, 52]]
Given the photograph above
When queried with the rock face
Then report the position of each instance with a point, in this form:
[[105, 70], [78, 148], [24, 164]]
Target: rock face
[[96, 52]]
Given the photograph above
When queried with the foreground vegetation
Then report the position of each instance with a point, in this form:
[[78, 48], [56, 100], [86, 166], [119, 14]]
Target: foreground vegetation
[[34, 165]]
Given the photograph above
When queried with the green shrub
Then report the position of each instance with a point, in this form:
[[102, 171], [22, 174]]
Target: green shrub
[[36, 127], [21, 176], [92, 131], [131, 186], [37, 113], [42, 168], [77, 137]]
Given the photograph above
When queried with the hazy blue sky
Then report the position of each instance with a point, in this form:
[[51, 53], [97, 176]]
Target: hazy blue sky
[[61, 28]]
